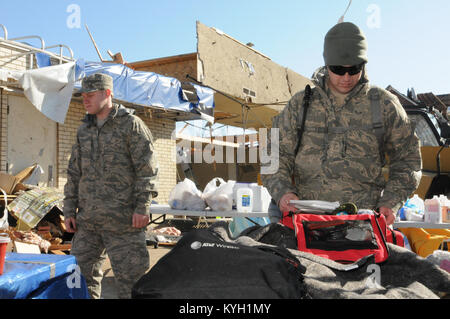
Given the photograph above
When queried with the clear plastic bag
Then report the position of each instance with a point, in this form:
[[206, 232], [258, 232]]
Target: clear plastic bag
[[186, 196], [218, 194], [413, 210]]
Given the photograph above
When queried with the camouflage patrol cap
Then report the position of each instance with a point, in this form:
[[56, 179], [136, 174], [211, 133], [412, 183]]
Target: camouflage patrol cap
[[345, 44], [95, 82]]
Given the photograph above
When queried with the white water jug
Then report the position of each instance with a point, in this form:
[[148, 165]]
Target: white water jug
[[244, 200], [433, 211]]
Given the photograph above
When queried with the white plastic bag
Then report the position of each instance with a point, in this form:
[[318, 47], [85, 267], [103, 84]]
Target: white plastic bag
[[218, 194], [186, 196]]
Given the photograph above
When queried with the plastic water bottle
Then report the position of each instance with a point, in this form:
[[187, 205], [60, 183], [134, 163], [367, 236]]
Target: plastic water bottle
[[413, 210], [445, 206], [419, 203], [417, 214], [244, 200], [433, 211]]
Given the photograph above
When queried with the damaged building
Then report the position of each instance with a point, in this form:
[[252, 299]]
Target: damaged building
[[29, 137], [249, 89]]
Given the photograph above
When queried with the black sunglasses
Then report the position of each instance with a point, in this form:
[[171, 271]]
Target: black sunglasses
[[341, 70]]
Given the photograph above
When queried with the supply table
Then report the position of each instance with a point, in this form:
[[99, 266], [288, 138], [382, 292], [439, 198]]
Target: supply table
[[412, 224], [166, 210]]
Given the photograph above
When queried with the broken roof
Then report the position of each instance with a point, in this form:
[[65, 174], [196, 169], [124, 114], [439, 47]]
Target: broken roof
[[152, 89]]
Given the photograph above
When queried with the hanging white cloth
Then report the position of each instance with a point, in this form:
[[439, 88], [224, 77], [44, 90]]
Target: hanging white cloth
[[50, 89]]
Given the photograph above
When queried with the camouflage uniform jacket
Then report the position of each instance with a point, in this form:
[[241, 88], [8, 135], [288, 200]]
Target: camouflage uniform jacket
[[339, 158], [112, 172]]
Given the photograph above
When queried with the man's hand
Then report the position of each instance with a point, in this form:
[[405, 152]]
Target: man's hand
[[140, 221], [71, 224], [389, 214], [284, 203]]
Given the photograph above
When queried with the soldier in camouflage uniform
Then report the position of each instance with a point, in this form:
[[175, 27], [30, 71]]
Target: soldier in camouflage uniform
[[339, 158], [111, 179]]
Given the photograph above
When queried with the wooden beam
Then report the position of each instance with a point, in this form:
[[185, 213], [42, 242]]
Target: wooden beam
[[57, 252], [164, 60]]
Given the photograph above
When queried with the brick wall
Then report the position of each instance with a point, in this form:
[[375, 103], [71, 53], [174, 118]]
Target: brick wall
[[18, 63], [164, 146], [67, 133]]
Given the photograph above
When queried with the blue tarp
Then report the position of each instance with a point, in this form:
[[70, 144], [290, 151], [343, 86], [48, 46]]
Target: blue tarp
[[148, 88], [42, 60], [41, 276]]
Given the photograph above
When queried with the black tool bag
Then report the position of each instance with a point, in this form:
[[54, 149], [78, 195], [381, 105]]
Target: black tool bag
[[203, 266]]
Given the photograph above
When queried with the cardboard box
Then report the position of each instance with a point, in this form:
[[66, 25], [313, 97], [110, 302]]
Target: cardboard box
[[8, 182], [31, 206], [12, 184], [24, 174]]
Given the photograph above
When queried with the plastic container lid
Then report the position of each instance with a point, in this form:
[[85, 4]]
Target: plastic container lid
[[4, 238]]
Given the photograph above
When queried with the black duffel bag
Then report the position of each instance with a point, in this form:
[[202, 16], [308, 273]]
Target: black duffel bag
[[203, 266]]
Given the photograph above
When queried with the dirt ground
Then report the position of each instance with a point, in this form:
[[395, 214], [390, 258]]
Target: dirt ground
[[108, 282]]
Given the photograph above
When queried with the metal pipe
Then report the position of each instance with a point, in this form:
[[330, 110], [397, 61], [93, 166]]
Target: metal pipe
[[4, 31], [32, 50], [61, 46], [31, 37]]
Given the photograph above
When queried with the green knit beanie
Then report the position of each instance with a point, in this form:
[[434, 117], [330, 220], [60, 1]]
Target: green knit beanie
[[345, 44]]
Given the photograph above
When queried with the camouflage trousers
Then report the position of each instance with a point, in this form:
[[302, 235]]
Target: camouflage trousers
[[127, 252]]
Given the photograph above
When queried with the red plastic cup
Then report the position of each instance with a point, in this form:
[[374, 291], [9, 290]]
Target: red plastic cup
[[4, 240]]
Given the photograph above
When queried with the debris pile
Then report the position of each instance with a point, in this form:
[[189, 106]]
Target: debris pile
[[34, 221]]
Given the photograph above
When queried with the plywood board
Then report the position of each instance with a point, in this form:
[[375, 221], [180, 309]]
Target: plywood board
[[31, 139], [24, 248], [238, 70]]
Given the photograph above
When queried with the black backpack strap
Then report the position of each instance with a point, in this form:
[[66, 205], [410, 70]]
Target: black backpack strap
[[394, 238], [377, 120], [305, 106]]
